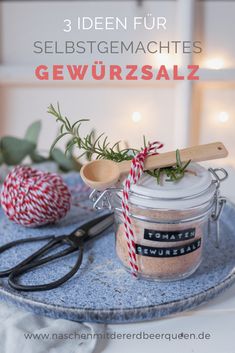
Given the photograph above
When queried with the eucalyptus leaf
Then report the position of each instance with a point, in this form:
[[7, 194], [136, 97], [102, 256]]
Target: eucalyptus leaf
[[36, 157], [76, 164], [33, 132], [1, 157], [65, 163], [15, 150]]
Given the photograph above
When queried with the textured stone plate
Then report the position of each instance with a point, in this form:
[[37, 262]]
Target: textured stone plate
[[102, 291]]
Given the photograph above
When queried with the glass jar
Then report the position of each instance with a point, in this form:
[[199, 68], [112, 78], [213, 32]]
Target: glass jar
[[170, 221]]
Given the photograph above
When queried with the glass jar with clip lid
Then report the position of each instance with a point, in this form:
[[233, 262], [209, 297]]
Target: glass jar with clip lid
[[171, 221]]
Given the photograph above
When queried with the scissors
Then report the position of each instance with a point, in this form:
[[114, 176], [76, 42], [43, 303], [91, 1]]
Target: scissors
[[75, 242]]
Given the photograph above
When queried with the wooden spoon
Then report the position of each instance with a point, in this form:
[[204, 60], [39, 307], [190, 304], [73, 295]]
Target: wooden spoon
[[102, 173]]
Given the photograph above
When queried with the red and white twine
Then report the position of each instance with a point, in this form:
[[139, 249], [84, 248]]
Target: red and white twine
[[137, 169], [34, 198]]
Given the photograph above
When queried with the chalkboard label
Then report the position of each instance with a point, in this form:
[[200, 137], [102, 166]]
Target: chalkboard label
[[169, 236], [168, 252]]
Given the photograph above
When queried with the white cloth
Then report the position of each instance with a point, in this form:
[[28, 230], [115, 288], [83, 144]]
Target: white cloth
[[16, 324]]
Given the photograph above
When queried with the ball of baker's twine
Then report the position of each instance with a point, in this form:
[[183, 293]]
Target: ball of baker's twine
[[34, 198]]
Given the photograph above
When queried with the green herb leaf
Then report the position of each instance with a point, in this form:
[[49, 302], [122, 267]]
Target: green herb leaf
[[33, 132], [1, 156], [37, 158], [65, 163], [57, 140], [174, 173], [178, 160], [15, 150]]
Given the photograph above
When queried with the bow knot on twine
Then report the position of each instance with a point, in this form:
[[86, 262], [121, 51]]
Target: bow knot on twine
[[137, 169]]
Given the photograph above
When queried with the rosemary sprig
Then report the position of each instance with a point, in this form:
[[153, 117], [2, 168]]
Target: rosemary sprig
[[99, 147], [90, 145], [173, 173]]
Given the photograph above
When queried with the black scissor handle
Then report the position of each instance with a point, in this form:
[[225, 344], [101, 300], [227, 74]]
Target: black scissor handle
[[16, 274], [12, 244], [74, 242]]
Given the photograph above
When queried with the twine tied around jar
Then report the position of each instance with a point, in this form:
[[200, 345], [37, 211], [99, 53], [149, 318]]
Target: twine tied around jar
[[137, 169]]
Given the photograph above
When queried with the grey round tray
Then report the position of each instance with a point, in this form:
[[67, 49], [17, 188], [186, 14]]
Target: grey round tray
[[102, 291]]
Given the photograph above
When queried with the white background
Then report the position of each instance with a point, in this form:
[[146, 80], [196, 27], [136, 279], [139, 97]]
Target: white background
[[110, 105]]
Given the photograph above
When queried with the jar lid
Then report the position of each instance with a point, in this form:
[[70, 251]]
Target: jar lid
[[192, 190]]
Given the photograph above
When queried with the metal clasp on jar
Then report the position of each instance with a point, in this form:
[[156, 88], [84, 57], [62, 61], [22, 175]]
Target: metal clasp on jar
[[102, 199], [219, 175]]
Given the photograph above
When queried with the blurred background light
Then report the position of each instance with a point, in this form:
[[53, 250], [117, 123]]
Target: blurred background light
[[223, 117], [214, 63], [136, 117]]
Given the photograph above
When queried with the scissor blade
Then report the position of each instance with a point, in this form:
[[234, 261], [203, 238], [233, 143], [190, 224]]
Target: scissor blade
[[97, 225]]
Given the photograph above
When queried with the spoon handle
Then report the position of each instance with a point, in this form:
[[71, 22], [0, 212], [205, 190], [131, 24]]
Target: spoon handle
[[198, 153]]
